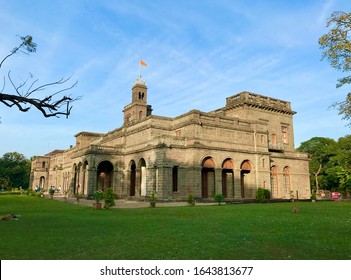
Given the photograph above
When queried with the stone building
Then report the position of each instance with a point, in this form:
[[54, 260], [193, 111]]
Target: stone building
[[247, 144]]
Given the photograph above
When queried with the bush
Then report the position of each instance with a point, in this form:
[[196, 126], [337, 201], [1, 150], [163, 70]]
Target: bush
[[99, 195], [219, 198], [262, 195], [109, 199], [191, 200]]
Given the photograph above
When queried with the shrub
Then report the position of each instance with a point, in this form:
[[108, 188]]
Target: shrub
[[262, 195], [191, 200], [99, 195], [109, 199], [219, 198]]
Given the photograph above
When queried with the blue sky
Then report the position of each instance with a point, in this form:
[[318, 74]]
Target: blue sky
[[198, 53]]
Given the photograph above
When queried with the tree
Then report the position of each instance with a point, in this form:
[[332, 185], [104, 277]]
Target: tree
[[330, 165], [336, 46], [22, 94], [14, 170], [321, 150]]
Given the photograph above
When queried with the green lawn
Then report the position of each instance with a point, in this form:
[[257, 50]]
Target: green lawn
[[50, 229]]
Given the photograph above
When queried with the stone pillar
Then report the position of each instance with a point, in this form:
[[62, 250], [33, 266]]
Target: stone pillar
[[197, 182], [92, 178], [218, 181], [115, 183], [237, 184]]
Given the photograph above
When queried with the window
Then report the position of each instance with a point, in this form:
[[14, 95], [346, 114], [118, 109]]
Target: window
[[175, 179], [262, 139], [274, 139], [285, 135]]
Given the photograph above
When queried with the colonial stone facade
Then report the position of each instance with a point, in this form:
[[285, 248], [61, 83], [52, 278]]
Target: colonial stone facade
[[233, 150]]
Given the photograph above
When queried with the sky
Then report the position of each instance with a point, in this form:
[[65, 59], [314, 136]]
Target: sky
[[197, 52]]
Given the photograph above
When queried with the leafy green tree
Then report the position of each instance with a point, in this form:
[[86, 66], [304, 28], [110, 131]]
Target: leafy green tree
[[321, 151], [336, 46], [14, 170], [343, 162], [330, 165]]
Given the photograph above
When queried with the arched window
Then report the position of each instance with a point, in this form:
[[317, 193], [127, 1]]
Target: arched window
[[286, 176], [132, 178], [274, 181], [105, 175], [228, 178], [208, 178]]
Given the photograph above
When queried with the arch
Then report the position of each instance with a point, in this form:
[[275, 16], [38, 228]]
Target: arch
[[42, 182], [246, 165], [274, 181], [78, 183], [142, 170], [245, 170], [104, 175], [208, 163], [228, 178], [84, 176], [132, 170], [208, 178], [228, 164], [286, 181], [74, 177], [66, 178]]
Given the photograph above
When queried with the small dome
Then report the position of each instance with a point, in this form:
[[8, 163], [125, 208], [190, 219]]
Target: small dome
[[139, 81]]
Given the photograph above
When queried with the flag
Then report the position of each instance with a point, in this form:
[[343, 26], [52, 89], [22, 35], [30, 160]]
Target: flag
[[142, 63]]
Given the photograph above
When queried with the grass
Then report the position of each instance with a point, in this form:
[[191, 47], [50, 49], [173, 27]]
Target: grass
[[50, 229]]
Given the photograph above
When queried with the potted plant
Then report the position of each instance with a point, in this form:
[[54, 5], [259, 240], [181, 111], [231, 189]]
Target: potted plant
[[153, 199], [98, 196], [313, 196]]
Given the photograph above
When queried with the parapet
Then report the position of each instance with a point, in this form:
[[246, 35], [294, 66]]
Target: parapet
[[259, 101]]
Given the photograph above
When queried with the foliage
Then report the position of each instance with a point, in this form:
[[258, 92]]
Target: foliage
[[330, 165], [219, 198], [336, 46], [191, 199], [262, 195], [14, 171], [25, 93], [109, 198], [153, 197], [321, 151], [99, 195], [235, 232]]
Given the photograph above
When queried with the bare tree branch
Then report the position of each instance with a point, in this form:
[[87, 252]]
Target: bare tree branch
[[23, 97]]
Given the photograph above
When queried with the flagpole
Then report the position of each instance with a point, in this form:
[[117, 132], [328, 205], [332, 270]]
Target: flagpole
[[140, 68]]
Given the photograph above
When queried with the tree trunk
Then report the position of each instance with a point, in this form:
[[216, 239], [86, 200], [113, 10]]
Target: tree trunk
[[316, 176]]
